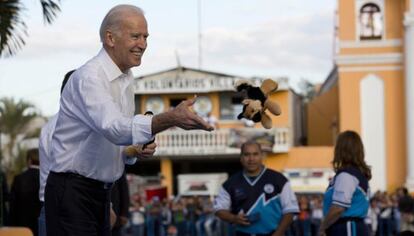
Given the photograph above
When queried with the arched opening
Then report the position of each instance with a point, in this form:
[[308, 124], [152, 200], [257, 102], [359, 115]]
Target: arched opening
[[371, 22]]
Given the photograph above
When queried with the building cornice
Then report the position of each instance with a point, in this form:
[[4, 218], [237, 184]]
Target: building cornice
[[363, 59], [370, 44], [370, 68]]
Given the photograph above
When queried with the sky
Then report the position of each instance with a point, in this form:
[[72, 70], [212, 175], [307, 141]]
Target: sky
[[293, 39]]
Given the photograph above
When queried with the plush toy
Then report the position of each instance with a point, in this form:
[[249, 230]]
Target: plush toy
[[257, 102]]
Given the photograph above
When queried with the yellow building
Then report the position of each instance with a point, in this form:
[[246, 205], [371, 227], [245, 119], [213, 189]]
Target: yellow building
[[375, 61], [192, 152], [369, 91]]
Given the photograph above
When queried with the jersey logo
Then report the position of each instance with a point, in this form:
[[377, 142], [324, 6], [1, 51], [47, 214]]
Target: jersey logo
[[269, 188]]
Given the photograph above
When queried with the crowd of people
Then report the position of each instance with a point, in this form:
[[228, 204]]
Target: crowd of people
[[180, 216], [194, 216], [388, 213]]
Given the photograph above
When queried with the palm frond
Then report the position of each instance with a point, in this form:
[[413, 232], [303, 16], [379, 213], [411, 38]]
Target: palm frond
[[12, 27], [14, 116], [13, 30], [50, 10]]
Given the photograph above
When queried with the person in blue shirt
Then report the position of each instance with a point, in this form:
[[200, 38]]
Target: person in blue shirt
[[257, 200], [346, 200]]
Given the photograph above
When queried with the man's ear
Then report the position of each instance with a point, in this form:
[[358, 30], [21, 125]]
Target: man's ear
[[109, 38]]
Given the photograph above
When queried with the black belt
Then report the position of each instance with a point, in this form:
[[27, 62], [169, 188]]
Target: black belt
[[95, 183], [347, 219], [238, 233]]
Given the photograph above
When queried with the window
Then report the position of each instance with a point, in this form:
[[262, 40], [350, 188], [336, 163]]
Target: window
[[230, 105], [371, 22]]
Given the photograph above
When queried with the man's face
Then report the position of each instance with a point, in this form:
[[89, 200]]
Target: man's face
[[130, 42], [251, 159]]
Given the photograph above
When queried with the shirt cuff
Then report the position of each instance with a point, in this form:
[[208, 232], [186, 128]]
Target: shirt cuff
[[141, 129], [341, 204]]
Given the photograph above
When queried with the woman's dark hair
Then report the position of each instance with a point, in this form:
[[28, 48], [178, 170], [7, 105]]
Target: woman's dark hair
[[349, 152]]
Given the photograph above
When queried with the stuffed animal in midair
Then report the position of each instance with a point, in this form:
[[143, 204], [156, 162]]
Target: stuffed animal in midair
[[257, 102]]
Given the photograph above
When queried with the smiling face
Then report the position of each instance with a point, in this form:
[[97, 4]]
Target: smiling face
[[126, 43]]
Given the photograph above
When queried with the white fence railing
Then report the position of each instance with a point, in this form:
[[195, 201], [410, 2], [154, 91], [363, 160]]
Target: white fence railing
[[219, 142]]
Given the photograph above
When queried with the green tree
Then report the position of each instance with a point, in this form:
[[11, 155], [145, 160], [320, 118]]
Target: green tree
[[307, 90], [13, 28], [14, 118]]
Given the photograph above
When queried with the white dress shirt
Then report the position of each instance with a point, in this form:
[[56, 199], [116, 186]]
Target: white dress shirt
[[44, 154], [96, 117]]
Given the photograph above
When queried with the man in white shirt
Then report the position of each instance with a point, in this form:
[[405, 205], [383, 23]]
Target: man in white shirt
[[95, 120]]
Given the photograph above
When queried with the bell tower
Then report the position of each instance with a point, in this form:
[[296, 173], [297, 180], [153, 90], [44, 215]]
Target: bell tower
[[372, 79], [409, 86]]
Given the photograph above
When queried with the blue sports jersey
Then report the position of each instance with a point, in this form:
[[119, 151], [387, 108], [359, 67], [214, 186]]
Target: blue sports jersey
[[349, 189], [269, 195]]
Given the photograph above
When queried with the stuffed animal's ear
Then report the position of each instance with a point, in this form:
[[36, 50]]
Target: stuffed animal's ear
[[242, 84], [268, 86], [266, 121], [273, 107]]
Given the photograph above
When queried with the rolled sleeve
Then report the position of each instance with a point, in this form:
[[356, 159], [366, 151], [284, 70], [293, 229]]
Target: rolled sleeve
[[141, 129], [288, 200]]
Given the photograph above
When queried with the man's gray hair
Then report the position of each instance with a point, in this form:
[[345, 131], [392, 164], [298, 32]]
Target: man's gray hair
[[248, 143], [112, 20]]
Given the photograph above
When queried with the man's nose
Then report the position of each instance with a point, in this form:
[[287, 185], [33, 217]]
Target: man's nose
[[250, 157], [142, 43]]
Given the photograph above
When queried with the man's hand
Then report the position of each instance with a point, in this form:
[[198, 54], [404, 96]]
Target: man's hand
[[133, 150], [181, 116], [148, 150], [141, 151], [241, 219], [187, 119]]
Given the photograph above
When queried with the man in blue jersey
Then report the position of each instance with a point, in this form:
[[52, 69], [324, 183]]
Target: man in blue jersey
[[257, 200]]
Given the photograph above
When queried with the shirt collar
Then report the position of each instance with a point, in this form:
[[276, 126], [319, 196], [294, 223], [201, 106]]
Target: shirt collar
[[261, 171], [254, 181], [112, 71], [129, 77]]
